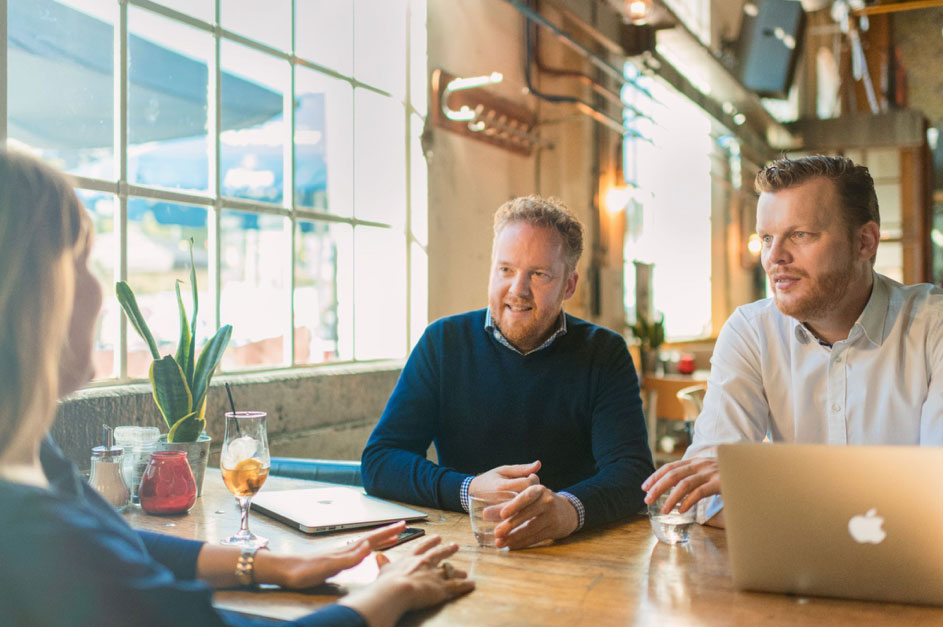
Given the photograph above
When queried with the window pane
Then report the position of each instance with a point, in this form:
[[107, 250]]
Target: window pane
[[419, 183], [674, 217], [101, 209], [418, 292], [379, 293], [266, 22], [890, 260], [888, 195], [168, 74], [59, 83], [324, 33], [159, 256], [254, 275], [380, 44], [418, 56], [323, 257], [201, 9], [253, 138], [379, 162], [324, 129]]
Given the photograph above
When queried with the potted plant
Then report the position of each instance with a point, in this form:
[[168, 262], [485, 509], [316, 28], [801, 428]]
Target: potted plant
[[650, 335], [180, 382]]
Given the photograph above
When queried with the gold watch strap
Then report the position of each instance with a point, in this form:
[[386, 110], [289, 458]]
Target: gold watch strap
[[245, 567]]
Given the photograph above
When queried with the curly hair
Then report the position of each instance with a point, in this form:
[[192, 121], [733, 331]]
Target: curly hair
[[546, 212]]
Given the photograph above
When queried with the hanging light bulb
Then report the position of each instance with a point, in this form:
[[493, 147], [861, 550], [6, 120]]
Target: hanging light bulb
[[637, 11]]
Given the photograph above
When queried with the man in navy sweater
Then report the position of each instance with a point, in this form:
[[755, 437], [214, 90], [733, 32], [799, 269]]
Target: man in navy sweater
[[519, 396]]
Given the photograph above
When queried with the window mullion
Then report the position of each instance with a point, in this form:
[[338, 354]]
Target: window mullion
[[214, 118], [288, 192], [4, 69], [121, 152]]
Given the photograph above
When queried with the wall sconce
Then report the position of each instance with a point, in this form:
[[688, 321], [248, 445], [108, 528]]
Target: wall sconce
[[618, 198], [749, 243], [637, 12], [754, 245]]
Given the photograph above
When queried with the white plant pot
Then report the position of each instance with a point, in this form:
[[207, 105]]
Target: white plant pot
[[198, 453]]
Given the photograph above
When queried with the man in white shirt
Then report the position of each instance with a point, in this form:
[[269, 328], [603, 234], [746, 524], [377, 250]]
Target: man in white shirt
[[839, 355]]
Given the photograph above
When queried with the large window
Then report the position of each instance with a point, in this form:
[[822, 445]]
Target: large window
[[669, 217], [282, 137]]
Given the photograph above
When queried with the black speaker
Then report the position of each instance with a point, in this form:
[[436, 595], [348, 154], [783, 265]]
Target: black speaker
[[768, 48]]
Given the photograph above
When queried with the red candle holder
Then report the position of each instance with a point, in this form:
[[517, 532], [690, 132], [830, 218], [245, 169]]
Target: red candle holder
[[168, 486]]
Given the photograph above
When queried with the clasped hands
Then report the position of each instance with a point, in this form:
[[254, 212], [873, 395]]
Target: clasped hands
[[535, 514]]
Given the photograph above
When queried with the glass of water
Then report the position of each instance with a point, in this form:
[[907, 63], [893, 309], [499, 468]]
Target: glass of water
[[673, 527]]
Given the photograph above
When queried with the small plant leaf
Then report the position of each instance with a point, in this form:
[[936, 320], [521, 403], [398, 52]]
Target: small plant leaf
[[185, 343], [210, 357], [188, 428], [196, 306], [130, 306], [170, 389]]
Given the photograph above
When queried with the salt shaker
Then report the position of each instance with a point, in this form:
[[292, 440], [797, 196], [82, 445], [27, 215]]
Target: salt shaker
[[106, 472]]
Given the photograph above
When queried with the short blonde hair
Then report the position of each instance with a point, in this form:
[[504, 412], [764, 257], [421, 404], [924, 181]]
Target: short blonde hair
[[43, 228], [546, 212]]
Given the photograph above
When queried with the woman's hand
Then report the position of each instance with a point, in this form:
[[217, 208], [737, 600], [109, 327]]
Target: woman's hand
[[306, 571], [420, 580]]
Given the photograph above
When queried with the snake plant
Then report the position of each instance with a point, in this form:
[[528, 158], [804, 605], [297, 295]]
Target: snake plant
[[179, 382], [649, 334]]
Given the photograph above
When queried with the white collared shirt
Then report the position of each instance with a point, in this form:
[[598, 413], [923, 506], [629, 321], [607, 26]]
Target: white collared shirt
[[882, 385]]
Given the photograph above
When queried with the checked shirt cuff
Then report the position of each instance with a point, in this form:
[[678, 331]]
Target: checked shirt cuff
[[463, 493], [580, 510]]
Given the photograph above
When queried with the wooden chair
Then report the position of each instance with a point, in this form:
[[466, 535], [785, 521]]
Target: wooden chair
[[692, 402], [660, 395]]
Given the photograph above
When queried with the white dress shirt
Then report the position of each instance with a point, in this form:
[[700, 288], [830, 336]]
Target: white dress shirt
[[770, 377]]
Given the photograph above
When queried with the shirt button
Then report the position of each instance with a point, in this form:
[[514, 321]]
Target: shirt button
[[836, 408]]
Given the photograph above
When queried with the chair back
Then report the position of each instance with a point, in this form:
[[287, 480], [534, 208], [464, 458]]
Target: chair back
[[692, 400]]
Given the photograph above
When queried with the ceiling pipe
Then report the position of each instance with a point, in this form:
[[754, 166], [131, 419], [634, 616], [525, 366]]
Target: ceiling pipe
[[587, 80], [592, 57], [584, 108]]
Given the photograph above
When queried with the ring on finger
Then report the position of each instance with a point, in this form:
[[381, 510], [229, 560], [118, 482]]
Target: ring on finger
[[447, 570]]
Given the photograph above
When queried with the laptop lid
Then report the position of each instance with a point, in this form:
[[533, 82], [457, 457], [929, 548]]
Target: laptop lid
[[862, 522], [319, 510]]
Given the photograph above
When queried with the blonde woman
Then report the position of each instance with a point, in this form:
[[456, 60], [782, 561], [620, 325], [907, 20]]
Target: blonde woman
[[66, 558]]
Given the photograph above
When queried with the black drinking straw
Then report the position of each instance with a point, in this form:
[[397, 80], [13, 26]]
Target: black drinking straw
[[232, 405]]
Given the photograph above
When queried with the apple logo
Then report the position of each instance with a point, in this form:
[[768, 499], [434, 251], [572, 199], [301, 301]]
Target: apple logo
[[867, 528]]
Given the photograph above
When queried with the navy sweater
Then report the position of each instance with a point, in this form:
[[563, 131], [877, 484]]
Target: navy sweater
[[573, 405], [67, 558]]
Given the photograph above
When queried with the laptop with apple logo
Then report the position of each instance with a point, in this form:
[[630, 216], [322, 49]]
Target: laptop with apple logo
[[861, 522]]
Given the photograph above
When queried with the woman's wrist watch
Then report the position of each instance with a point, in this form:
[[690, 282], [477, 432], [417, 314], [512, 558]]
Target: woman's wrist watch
[[245, 567]]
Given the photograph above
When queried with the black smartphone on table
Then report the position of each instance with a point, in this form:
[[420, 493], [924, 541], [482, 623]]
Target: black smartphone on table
[[408, 534]]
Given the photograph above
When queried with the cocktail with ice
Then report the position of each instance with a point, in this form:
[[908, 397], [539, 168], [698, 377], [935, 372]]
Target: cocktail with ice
[[245, 462]]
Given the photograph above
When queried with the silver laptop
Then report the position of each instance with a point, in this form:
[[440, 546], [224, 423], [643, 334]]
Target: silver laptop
[[861, 522], [319, 510]]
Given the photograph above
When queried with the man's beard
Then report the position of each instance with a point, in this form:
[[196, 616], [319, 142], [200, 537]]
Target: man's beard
[[525, 336], [827, 292]]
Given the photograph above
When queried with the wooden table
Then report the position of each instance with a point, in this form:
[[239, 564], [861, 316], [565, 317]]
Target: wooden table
[[617, 575]]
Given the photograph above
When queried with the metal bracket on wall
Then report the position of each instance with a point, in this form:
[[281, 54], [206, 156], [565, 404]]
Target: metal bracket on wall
[[482, 115]]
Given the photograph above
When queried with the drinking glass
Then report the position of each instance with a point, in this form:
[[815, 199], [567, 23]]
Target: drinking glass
[[485, 514], [673, 527], [245, 462]]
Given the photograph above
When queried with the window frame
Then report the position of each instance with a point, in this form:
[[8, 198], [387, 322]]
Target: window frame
[[213, 200]]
